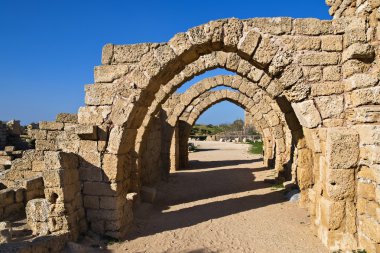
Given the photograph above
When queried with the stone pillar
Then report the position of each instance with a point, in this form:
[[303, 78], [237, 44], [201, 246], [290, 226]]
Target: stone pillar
[[174, 150], [63, 193], [335, 208]]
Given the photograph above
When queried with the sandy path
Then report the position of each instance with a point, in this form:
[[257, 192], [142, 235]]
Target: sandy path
[[221, 205]]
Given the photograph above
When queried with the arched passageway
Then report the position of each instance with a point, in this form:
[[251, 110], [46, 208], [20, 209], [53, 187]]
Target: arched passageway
[[318, 85], [320, 75]]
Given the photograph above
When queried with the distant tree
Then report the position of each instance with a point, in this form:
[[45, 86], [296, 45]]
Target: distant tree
[[238, 125]]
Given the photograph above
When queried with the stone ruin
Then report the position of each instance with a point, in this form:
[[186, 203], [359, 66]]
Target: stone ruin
[[311, 86]]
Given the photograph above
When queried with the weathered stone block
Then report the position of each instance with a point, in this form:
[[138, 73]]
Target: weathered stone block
[[358, 51], [98, 189], [360, 81], [46, 125], [307, 113], [307, 43], [319, 58], [332, 43], [265, 51], [332, 73], [340, 184], [46, 145], [351, 67], [37, 214], [332, 213], [367, 190], [342, 148], [93, 115], [276, 26], [327, 88], [249, 42], [67, 118], [330, 106], [310, 26], [86, 132]]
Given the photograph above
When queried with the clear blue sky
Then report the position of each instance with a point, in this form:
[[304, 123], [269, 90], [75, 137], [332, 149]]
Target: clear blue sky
[[48, 48]]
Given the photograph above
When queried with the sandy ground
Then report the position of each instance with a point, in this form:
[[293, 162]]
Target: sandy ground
[[221, 204]]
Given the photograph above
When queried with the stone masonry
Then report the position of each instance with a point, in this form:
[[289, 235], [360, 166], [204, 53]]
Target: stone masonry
[[312, 87]]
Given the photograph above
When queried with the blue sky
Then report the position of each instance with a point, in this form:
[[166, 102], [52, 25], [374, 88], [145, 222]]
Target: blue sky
[[48, 49]]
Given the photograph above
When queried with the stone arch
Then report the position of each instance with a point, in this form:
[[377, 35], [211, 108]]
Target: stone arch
[[272, 113], [211, 98], [284, 54]]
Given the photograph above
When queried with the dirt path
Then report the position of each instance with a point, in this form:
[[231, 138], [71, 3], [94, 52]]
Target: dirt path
[[221, 204]]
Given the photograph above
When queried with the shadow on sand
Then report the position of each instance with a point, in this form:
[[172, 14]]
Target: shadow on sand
[[188, 186]]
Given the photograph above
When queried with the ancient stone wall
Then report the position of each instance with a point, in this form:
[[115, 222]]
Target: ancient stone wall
[[320, 75]]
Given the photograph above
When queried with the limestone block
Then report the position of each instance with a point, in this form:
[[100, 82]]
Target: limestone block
[[310, 26], [113, 165], [366, 190], [180, 43], [102, 93], [112, 203], [60, 178], [307, 43], [37, 214], [291, 75], [364, 114], [319, 58], [118, 141], [330, 106], [307, 113], [351, 67], [304, 168], [98, 189], [107, 53], [110, 73], [312, 74], [332, 43], [248, 43], [276, 26], [45, 125], [370, 227], [232, 31], [265, 51], [355, 31], [360, 81], [358, 51], [93, 115], [369, 134], [86, 132], [45, 145], [332, 213], [340, 184], [90, 173], [67, 118], [37, 134], [363, 97], [60, 160], [342, 148], [129, 53], [34, 183], [332, 73]]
